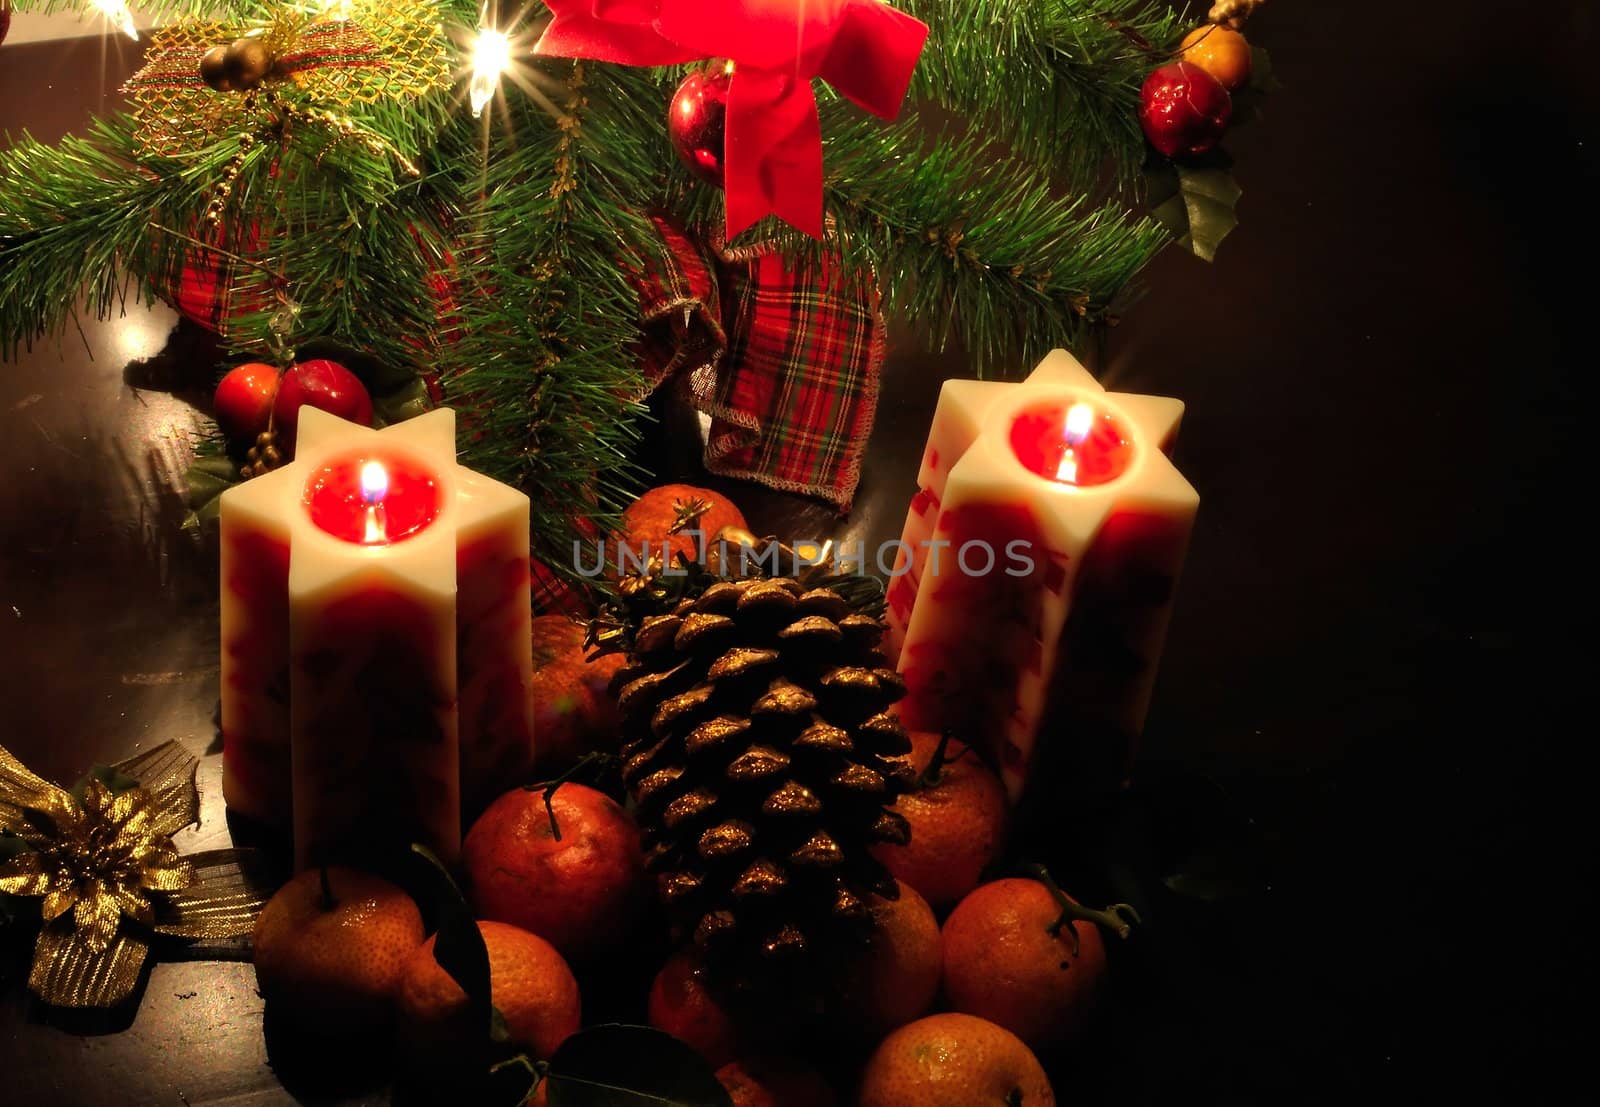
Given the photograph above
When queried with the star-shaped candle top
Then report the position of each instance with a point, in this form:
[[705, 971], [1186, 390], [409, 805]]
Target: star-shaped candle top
[[355, 499], [1079, 451]]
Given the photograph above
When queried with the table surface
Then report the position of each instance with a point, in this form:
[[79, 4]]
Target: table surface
[[1364, 714]]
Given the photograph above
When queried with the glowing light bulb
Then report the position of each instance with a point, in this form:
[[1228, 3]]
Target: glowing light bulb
[[117, 14], [491, 56]]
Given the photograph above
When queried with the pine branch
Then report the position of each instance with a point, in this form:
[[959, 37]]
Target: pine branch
[[542, 356], [77, 215], [1056, 79], [160, 11], [965, 238], [980, 250]]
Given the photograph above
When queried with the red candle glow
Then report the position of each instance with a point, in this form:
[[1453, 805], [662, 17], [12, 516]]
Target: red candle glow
[[1072, 443], [373, 500]]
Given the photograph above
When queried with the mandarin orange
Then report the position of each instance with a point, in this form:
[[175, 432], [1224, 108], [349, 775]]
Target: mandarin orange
[[330, 956], [770, 1081], [529, 983], [681, 1005], [896, 978], [1005, 960], [954, 1060], [957, 819], [582, 891], [662, 515]]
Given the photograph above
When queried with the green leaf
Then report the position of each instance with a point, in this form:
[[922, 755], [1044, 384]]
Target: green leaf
[[631, 1066], [1249, 102], [1262, 78], [459, 947], [205, 482], [402, 404], [1196, 203]]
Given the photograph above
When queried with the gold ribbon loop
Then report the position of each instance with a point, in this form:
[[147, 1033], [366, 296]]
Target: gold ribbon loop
[[109, 878]]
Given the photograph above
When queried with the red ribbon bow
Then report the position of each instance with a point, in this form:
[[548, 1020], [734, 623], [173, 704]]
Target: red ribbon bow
[[863, 48]]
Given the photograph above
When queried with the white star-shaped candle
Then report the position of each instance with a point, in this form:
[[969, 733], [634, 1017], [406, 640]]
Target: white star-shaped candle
[[376, 645], [1035, 575]]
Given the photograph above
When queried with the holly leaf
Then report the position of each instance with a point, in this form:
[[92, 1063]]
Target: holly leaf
[[1196, 203], [207, 479], [616, 1065], [459, 947], [1262, 78], [404, 403], [1249, 102]]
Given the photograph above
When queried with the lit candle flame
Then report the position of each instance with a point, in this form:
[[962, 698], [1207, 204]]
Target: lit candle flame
[[374, 482], [1080, 420], [117, 14], [491, 56], [374, 487]]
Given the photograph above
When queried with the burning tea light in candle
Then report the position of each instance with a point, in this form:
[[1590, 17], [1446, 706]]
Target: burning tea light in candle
[[1076, 444], [376, 638], [374, 483], [376, 501], [1037, 567]]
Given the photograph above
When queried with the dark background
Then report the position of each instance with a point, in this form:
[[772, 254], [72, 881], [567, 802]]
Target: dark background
[[1368, 739]]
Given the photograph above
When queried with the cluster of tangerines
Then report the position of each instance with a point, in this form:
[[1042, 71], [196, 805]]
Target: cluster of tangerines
[[952, 1014]]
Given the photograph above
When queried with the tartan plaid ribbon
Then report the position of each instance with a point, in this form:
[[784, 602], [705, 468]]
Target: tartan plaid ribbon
[[785, 360]]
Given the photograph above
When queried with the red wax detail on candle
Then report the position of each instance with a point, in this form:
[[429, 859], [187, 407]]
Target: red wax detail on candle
[[255, 715], [335, 499], [1049, 440], [376, 759]]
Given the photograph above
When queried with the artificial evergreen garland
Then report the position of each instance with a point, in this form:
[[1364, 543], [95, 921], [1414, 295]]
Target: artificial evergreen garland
[[498, 253]]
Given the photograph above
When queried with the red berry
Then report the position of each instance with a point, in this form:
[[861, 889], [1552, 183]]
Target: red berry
[[244, 400], [1183, 109], [325, 385]]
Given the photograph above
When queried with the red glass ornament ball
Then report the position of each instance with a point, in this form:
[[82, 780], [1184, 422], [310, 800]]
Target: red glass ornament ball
[[1184, 110], [325, 385], [244, 400], [697, 121]]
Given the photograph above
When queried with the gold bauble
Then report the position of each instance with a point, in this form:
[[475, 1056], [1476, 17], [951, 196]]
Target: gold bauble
[[214, 69], [247, 62]]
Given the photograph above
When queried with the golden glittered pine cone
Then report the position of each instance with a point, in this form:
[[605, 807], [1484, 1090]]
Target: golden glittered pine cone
[[760, 750]]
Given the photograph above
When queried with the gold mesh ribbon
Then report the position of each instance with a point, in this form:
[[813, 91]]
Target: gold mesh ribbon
[[391, 50], [109, 878]]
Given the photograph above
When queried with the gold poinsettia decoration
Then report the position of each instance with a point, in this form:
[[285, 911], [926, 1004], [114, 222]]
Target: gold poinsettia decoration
[[108, 877]]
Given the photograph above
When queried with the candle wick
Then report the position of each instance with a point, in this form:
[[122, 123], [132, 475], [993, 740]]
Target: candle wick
[[377, 524]]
